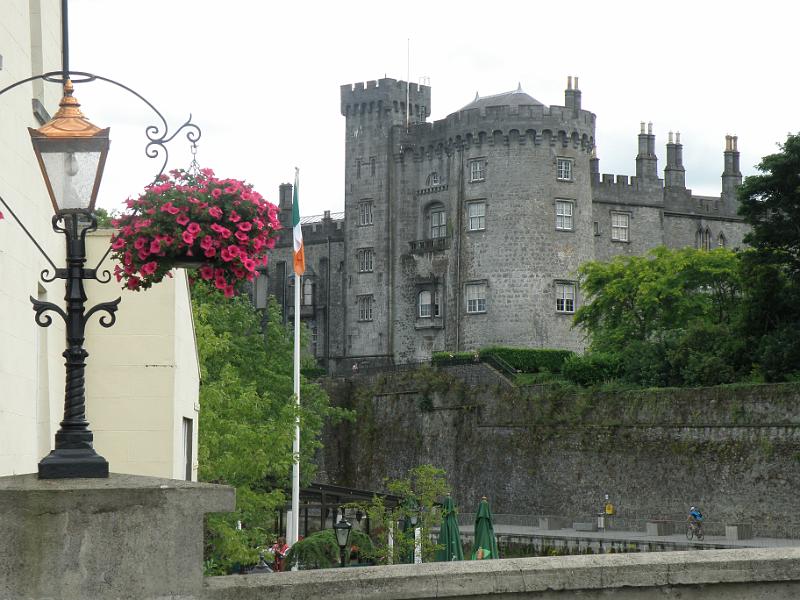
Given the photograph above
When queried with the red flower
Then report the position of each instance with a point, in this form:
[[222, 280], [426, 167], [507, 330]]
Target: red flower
[[244, 226], [207, 272], [188, 238], [149, 268], [215, 211], [155, 247], [193, 228], [216, 193], [118, 243], [182, 220]]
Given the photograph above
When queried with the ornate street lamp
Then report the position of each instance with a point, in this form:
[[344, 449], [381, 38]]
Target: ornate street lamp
[[72, 153], [342, 530]]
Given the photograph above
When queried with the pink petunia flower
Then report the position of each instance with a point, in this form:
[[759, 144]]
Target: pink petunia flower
[[207, 272], [140, 243], [149, 268], [188, 238], [216, 193], [182, 220], [233, 250], [193, 228], [234, 217], [118, 244], [241, 236], [229, 293], [155, 247], [210, 252], [244, 226], [225, 254], [133, 283], [215, 211]]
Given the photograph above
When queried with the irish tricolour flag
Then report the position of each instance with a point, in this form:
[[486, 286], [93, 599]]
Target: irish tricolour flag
[[299, 253]]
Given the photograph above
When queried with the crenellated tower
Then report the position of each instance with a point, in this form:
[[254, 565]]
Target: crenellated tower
[[375, 112]]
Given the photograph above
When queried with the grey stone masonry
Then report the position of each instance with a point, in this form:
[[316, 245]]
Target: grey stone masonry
[[124, 537], [469, 231]]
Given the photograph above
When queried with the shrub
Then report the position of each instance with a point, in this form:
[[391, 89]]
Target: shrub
[[530, 360], [591, 369]]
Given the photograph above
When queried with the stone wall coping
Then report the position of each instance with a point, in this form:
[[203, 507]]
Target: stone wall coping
[[117, 490], [516, 576]]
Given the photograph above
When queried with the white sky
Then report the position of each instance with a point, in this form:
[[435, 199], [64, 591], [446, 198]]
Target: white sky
[[262, 78]]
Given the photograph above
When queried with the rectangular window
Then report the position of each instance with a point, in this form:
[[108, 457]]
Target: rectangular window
[[308, 292], [372, 166], [476, 216], [187, 448], [365, 308], [365, 259], [365, 213], [358, 168], [476, 172], [620, 223], [476, 297], [565, 297], [438, 224], [564, 169], [564, 215], [425, 304]]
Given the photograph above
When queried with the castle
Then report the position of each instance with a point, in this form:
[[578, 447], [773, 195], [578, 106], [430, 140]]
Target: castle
[[468, 231]]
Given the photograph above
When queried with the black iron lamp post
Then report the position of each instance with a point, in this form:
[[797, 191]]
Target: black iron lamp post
[[71, 154], [342, 530]]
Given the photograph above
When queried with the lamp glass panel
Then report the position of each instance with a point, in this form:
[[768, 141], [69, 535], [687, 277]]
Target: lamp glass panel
[[342, 529], [72, 176]]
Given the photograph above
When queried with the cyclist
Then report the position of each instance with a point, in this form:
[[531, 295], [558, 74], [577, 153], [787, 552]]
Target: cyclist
[[695, 523]]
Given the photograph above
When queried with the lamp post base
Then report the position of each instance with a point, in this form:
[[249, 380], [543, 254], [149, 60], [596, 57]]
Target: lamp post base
[[68, 463]]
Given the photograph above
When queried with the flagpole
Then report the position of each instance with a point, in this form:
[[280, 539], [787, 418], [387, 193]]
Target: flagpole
[[295, 520]]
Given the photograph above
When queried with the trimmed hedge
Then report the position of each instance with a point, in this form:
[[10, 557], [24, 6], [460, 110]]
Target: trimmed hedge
[[530, 360], [525, 360], [591, 369]]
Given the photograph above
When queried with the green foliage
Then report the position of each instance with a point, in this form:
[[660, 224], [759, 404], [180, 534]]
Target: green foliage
[[105, 217], [770, 203], [421, 489], [247, 419], [591, 369], [448, 357], [321, 551], [530, 360], [666, 319]]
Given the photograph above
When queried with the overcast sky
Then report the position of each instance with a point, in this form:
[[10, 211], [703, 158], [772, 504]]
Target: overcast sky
[[262, 78]]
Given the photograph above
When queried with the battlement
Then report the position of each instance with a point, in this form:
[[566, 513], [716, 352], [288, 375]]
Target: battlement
[[385, 95]]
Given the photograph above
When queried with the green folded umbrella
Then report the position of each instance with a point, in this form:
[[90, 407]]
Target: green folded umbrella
[[485, 545], [449, 536]]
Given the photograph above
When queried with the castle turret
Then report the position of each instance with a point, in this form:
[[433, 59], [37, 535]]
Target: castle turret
[[572, 96], [646, 161], [731, 175], [674, 173]]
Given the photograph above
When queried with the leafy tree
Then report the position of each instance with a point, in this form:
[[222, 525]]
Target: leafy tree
[[770, 203], [422, 489], [655, 319], [247, 416]]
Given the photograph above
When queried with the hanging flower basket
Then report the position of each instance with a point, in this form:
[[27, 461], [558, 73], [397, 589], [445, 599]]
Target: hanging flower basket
[[222, 227]]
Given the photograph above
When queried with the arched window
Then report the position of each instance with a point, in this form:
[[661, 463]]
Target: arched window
[[704, 239], [721, 241], [425, 304], [438, 221]]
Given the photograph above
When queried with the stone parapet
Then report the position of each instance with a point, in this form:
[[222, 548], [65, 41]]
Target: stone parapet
[[119, 538], [710, 575]]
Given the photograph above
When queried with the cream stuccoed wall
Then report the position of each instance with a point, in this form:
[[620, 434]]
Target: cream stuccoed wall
[[143, 376], [31, 366]]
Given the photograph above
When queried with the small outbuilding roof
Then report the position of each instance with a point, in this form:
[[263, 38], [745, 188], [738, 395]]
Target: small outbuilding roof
[[514, 98]]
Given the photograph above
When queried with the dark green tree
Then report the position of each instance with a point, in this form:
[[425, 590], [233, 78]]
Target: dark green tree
[[770, 203]]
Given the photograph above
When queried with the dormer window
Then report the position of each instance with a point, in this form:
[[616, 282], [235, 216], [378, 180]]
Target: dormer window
[[433, 179]]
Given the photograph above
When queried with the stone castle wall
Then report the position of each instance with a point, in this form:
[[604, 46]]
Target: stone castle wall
[[734, 451]]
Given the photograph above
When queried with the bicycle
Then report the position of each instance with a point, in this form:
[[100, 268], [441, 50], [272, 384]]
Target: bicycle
[[695, 529]]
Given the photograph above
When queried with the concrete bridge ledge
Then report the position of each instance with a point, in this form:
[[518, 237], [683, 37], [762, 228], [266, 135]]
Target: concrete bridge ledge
[[723, 574]]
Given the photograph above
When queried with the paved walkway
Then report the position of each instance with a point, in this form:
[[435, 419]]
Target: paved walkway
[[630, 537]]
